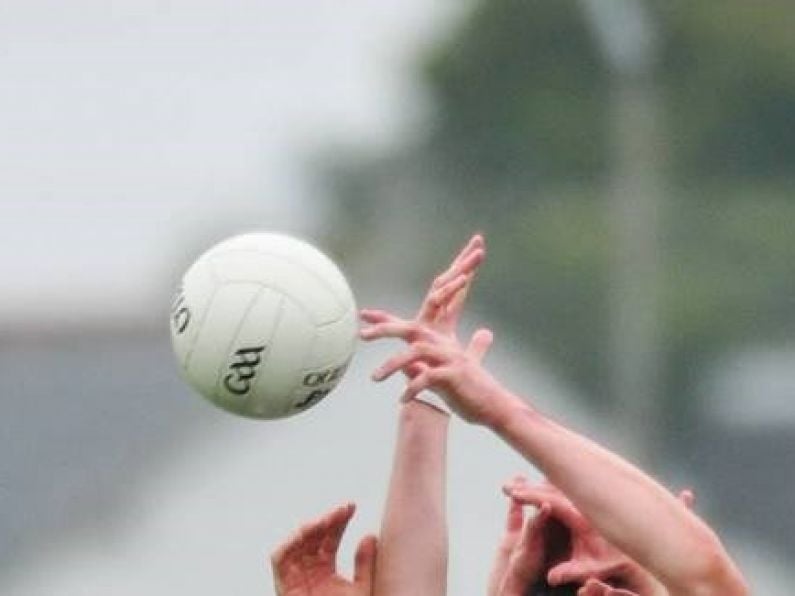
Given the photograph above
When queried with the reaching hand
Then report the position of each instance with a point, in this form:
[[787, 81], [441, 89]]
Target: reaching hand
[[442, 306], [521, 553], [436, 359], [592, 556], [306, 564], [438, 362]]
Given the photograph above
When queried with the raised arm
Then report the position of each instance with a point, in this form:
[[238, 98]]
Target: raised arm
[[412, 558], [625, 505]]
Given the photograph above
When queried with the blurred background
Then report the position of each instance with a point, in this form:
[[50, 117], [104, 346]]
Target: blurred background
[[629, 162]]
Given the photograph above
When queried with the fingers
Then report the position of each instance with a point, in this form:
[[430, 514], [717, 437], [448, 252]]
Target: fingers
[[458, 274], [440, 297], [531, 544], [373, 315], [475, 242], [536, 495], [317, 540], [427, 352], [394, 327], [467, 260], [535, 528], [415, 369], [515, 520], [688, 497], [480, 343], [364, 564], [423, 381], [527, 560], [334, 526]]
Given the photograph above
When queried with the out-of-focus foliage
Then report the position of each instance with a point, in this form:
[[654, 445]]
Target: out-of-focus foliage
[[519, 146]]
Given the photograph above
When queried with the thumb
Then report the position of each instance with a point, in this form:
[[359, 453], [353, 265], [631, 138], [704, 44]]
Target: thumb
[[480, 343], [364, 563], [688, 497]]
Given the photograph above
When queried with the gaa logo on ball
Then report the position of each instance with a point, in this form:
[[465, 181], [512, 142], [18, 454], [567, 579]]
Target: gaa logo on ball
[[264, 325]]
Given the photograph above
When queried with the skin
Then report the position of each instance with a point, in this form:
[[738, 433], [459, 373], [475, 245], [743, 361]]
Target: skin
[[590, 556], [412, 557], [412, 552], [306, 563], [521, 554], [631, 510]]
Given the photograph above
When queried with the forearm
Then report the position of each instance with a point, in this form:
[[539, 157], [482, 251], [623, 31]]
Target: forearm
[[412, 555], [628, 507]]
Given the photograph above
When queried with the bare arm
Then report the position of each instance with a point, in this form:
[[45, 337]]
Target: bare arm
[[625, 505], [412, 558], [628, 507]]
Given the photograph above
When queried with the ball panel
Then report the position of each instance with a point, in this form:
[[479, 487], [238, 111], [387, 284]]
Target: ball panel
[[281, 371], [316, 384], [249, 352], [326, 362], [189, 308], [302, 254], [334, 342], [219, 329], [283, 275]]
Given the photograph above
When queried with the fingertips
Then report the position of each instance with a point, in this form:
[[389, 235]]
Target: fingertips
[[534, 527], [364, 562], [688, 497], [480, 343], [335, 525], [372, 315], [515, 519], [472, 261], [394, 364]]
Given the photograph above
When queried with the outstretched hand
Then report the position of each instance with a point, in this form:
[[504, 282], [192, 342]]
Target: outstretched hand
[[442, 306], [306, 564], [592, 557], [436, 359], [521, 555]]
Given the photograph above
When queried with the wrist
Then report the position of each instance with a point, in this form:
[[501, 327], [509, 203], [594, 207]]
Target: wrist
[[417, 412], [508, 409]]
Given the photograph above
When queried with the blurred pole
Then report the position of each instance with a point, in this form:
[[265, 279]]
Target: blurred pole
[[628, 40]]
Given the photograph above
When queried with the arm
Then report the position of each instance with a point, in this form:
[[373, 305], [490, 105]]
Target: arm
[[625, 505], [412, 559]]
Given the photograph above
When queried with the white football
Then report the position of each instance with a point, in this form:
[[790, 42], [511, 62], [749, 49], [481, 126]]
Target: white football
[[264, 325]]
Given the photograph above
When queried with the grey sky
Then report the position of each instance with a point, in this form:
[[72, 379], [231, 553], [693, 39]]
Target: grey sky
[[131, 128]]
